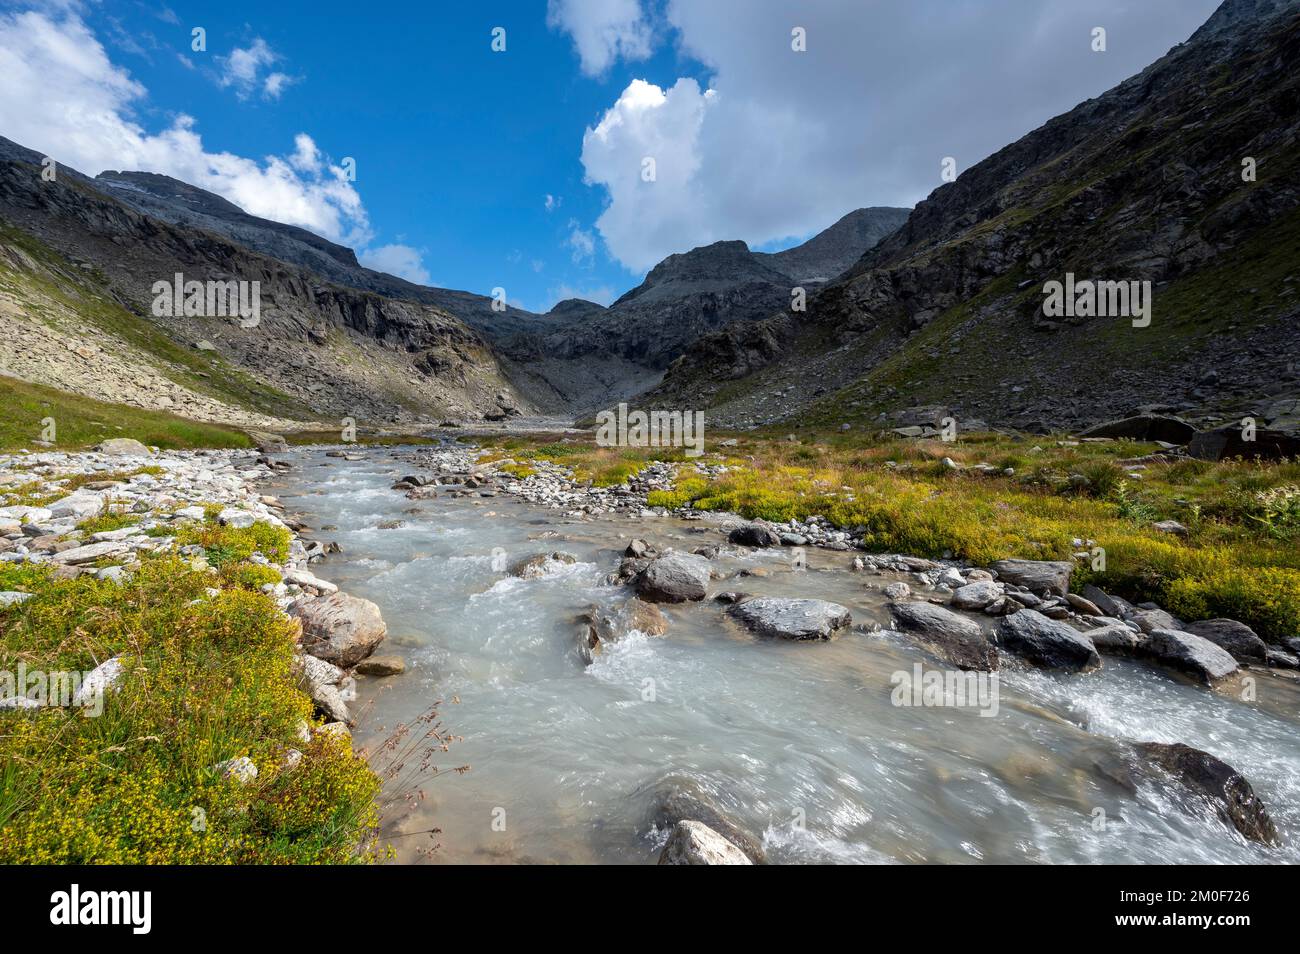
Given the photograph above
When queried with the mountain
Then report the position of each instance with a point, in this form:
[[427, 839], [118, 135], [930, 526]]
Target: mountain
[[1148, 182], [595, 357], [79, 265], [832, 252], [179, 203]]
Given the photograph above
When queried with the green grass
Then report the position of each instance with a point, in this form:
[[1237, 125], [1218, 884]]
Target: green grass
[[209, 678], [82, 422], [1241, 558]]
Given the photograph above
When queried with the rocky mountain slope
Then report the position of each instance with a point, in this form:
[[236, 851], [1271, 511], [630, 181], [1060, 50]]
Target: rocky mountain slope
[[1144, 183], [594, 357], [320, 351]]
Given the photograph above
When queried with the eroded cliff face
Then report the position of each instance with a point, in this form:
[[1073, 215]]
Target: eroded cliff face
[[334, 350], [1142, 184]]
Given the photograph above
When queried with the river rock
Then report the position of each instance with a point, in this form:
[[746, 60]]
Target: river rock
[[1039, 576], [680, 800], [534, 567], [339, 628], [308, 581], [953, 638], [695, 843], [1227, 791], [792, 619], [1192, 654], [1109, 605], [382, 666], [1152, 619], [123, 447], [1116, 638], [599, 626], [977, 595], [674, 578], [754, 535], [1237, 638], [1047, 643]]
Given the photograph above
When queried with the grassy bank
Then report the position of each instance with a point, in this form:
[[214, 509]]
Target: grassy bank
[[208, 677], [82, 422], [1239, 559]]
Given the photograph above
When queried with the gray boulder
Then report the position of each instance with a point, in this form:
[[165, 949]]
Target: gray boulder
[[1040, 576], [1116, 638], [754, 535], [1047, 643], [955, 639], [1153, 619], [792, 619], [1237, 638], [977, 595], [1192, 654], [123, 447], [674, 578]]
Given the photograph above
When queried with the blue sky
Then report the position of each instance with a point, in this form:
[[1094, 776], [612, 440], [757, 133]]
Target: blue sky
[[458, 147]]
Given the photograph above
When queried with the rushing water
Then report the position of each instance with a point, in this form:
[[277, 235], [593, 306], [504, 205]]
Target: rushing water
[[798, 743]]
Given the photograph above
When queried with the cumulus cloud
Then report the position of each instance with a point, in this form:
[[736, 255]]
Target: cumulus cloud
[[248, 70], [602, 31], [400, 260], [62, 95], [781, 143]]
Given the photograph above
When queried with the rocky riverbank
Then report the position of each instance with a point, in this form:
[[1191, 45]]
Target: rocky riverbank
[[113, 516], [1012, 614]]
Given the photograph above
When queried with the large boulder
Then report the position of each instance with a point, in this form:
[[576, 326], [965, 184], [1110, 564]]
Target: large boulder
[[339, 628], [1237, 638], [1192, 654], [123, 447], [269, 443], [1216, 782], [754, 535], [792, 619], [1047, 643], [955, 639], [1227, 442], [695, 843], [674, 577], [1039, 576], [1144, 427]]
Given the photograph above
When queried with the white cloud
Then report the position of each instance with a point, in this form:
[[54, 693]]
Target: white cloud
[[552, 202], [782, 143], [243, 70], [61, 95], [581, 241], [602, 30], [400, 260]]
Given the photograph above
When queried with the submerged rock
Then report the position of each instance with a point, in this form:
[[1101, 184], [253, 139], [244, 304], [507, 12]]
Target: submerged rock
[[792, 618], [598, 627], [533, 567], [1226, 790], [1047, 643], [695, 843], [382, 666], [682, 800], [953, 638]]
